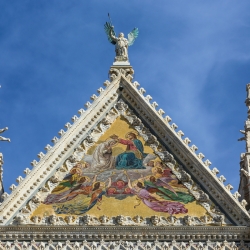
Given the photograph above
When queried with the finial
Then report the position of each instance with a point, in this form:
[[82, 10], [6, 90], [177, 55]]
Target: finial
[[120, 42]]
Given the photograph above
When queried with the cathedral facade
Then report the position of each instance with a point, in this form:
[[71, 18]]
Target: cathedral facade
[[122, 176]]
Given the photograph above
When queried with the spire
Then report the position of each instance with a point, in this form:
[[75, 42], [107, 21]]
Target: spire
[[247, 123], [244, 186], [1, 162], [1, 176]]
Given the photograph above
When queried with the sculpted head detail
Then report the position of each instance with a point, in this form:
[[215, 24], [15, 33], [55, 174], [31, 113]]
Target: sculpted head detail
[[87, 219], [155, 220], [69, 219], [121, 35], [104, 219], [36, 219], [120, 220], [188, 220], [53, 219], [137, 219]]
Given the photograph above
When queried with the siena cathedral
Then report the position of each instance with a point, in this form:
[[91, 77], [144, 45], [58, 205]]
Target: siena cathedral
[[122, 176]]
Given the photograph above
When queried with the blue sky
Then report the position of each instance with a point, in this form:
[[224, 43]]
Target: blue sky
[[192, 57]]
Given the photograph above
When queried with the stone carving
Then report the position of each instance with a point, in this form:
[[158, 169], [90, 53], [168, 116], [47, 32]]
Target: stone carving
[[243, 203], [54, 140], [4, 195], [200, 156], [124, 245], [207, 163], [120, 220], [148, 98], [215, 171], [115, 73], [194, 148], [120, 42], [187, 141], [105, 220], [56, 220], [21, 219], [229, 187], [222, 179], [90, 220], [236, 195]]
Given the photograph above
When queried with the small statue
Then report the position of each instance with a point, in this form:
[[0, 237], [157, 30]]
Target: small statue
[[3, 138], [120, 42]]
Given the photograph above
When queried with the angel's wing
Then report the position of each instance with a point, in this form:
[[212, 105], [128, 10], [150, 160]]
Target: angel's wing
[[132, 36], [109, 29], [163, 182]]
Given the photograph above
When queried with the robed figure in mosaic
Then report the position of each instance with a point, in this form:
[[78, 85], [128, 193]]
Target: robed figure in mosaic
[[133, 157]]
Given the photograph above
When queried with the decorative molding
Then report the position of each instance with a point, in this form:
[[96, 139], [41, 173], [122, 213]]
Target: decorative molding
[[130, 233], [24, 219], [123, 245]]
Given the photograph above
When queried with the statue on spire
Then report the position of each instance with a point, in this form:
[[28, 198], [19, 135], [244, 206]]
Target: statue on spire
[[120, 42]]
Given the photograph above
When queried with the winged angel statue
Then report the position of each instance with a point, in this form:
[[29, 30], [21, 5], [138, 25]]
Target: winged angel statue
[[120, 42]]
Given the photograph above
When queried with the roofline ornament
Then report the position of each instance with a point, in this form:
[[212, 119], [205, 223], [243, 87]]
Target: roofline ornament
[[121, 43]]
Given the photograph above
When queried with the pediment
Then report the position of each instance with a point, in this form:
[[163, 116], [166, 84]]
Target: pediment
[[90, 176]]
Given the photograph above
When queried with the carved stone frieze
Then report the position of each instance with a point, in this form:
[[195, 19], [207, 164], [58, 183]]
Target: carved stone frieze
[[120, 220], [90, 233], [124, 245]]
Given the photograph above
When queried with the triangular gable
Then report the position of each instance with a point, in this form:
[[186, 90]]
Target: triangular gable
[[99, 187], [122, 98]]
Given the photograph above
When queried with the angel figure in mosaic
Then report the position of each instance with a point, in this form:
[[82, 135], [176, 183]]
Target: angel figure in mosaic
[[153, 200], [163, 189], [74, 176], [88, 197], [120, 42], [83, 187]]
